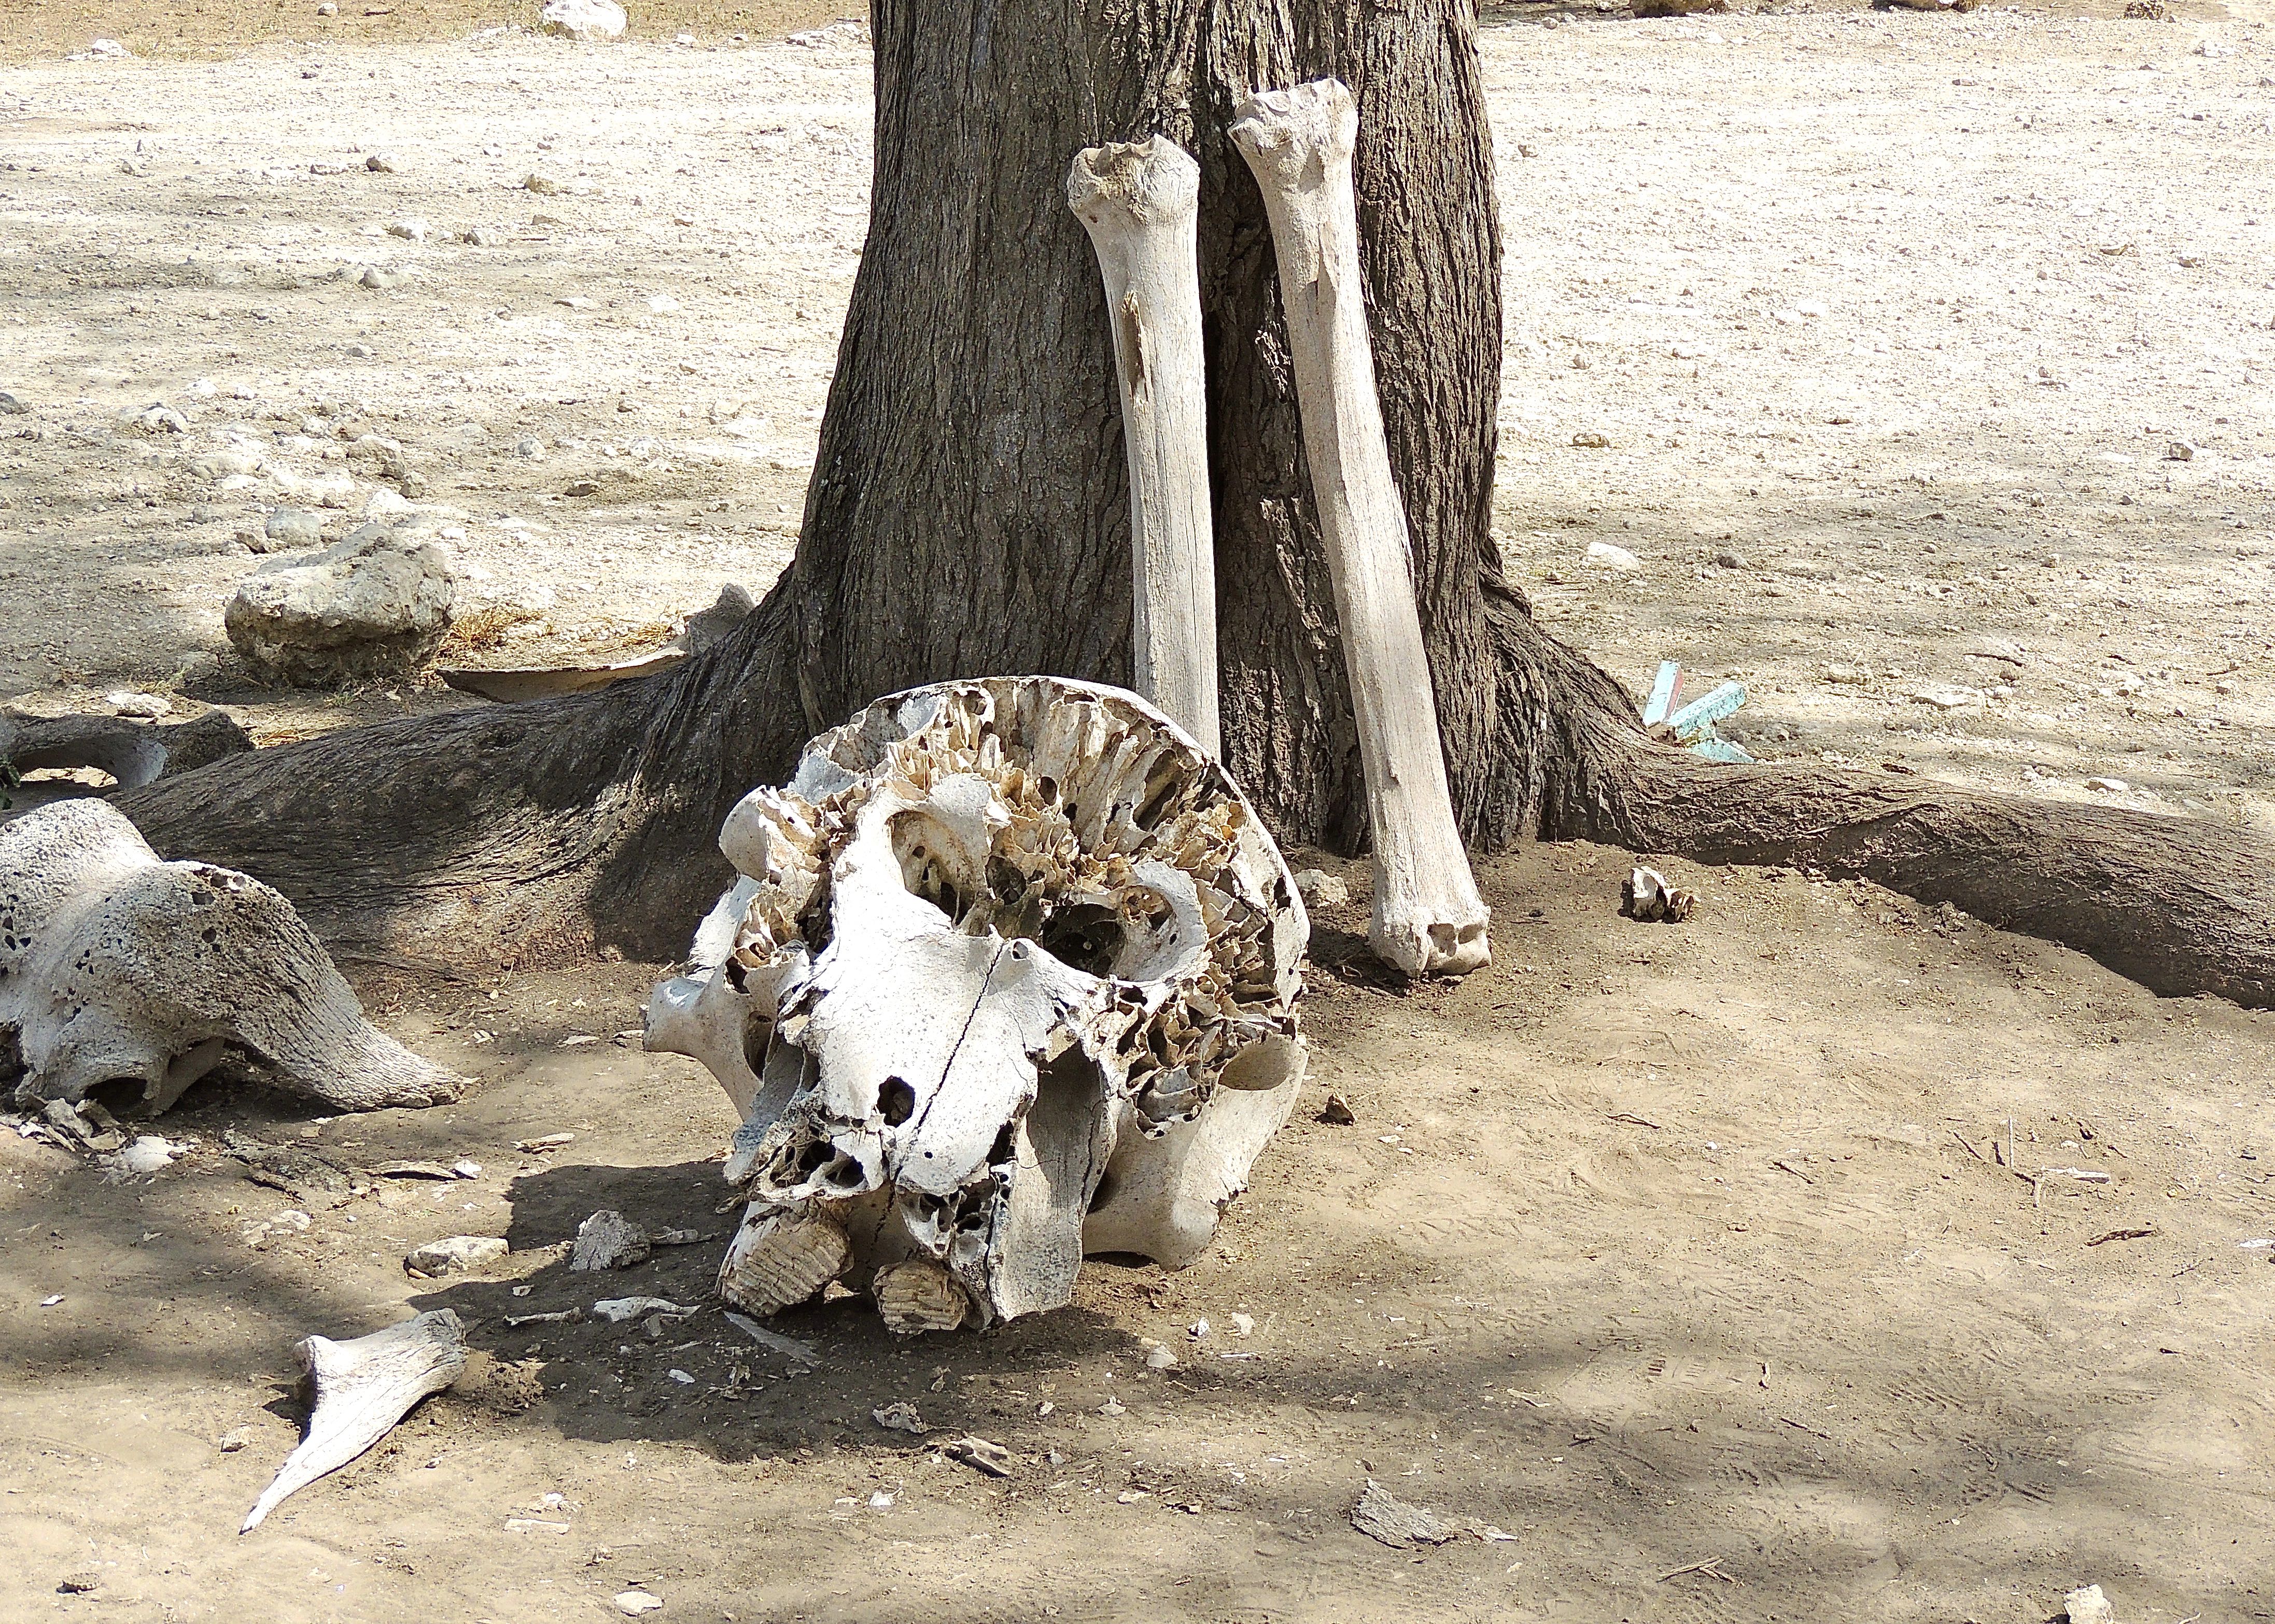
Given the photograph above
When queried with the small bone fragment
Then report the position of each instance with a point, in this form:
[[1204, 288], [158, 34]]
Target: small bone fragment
[[550, 1142], [567, 1316], [458, 1254], [615, 1310], [2086, 1605], [1647, 894], [608, 1240], [362, 1389], [920, 1296], [1320, 889], [413, 1170], [779, 1258], [1427, 918], [899, 1417], [1380, 1515], [988, 1458], [775, 1341], [117, 968], [1139, 202]]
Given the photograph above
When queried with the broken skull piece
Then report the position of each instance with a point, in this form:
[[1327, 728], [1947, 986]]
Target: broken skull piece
[[1647, 894], [1011, 977], [135, 977]]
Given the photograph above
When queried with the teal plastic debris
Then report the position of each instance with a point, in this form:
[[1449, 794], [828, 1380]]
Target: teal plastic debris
[[1693, 726]]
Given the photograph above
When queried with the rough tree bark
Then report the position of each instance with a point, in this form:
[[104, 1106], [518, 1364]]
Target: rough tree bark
[[967, 516]]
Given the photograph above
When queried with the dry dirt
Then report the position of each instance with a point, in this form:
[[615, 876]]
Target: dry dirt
[[1651, 1246]]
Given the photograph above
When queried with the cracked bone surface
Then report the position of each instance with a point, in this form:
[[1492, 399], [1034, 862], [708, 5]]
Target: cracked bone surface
[[117, 970], [1010, 976], [1139, 202], [362, 1389], [1428, 919]]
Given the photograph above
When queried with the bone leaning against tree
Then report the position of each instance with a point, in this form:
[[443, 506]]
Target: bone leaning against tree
[[1139, 202], [362, 1389], [133, 978], [1010, 976], [1428, 919]]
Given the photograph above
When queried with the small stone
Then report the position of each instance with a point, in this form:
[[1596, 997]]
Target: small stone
[[458, 1254], [2180, 451], [664, 305], [589, 21], [381, 163], [410, 231], [580, 487], [608, 1240], [362, 352], [1337, 1111], [330, 8], [10, 406], [379, 279], [142, 706], [481, 236], [291, 527], [1604, 555], [631, 1603], [231, 1442], [2086, 1605], [901, 1417], [531, 447], [1320, 889], [161, 420], [2107, 786], [1589, 440], [1728, 560], [541, 182], [148, 1155], [1160, 1358]]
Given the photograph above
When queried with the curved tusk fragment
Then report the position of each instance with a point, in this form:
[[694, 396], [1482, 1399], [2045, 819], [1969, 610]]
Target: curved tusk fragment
[[363, 1388]]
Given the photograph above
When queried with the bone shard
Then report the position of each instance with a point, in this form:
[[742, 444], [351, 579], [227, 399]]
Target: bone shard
[[120, 972], [1427, 919], [1010, 976], [1139, 202], [362, 1389]]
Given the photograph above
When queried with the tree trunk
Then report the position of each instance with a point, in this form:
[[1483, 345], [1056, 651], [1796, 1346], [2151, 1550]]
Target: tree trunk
[[968, 516]]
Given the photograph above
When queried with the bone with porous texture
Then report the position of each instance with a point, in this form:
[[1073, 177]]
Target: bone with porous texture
[[362, 1389], [1139, 202], [1428, 919], [1010, 976], [118, 968]]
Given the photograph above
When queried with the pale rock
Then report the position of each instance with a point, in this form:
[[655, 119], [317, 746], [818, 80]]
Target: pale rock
[[10, 406], [541, 182], [2180, 451], [161, 420], [584, 20], [458, 1254], [410, 231], [2086, 1605], [1604, 555], [373, 605], [142, 706], [287, 528], [608, 1240], [1590, 440], [381, 163], [531, 447], [1320, 889], [631, 1603], [2107, 786], [148, 1155], [481, 236]]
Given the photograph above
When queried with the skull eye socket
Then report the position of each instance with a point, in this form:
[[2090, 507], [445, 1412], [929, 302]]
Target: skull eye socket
[[896, 1101], [1086, 936]]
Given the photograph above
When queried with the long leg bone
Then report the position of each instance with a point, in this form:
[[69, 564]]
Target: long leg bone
[[363, 1388], [1139, 202], [1428, 921]]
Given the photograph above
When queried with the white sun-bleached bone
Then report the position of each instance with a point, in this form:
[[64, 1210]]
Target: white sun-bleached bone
[[118, 968], [362, 1389], [1010, 975], [1140, 201], [1428, 919]]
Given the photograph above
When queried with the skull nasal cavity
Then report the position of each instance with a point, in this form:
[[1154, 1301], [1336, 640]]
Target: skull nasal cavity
[[896, 1101]]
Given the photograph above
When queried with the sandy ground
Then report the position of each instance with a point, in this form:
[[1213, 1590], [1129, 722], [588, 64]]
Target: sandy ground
[[1651, 1246]]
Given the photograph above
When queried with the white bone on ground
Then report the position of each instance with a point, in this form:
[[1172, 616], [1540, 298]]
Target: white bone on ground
[[1139, 202], [1428, 919]]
